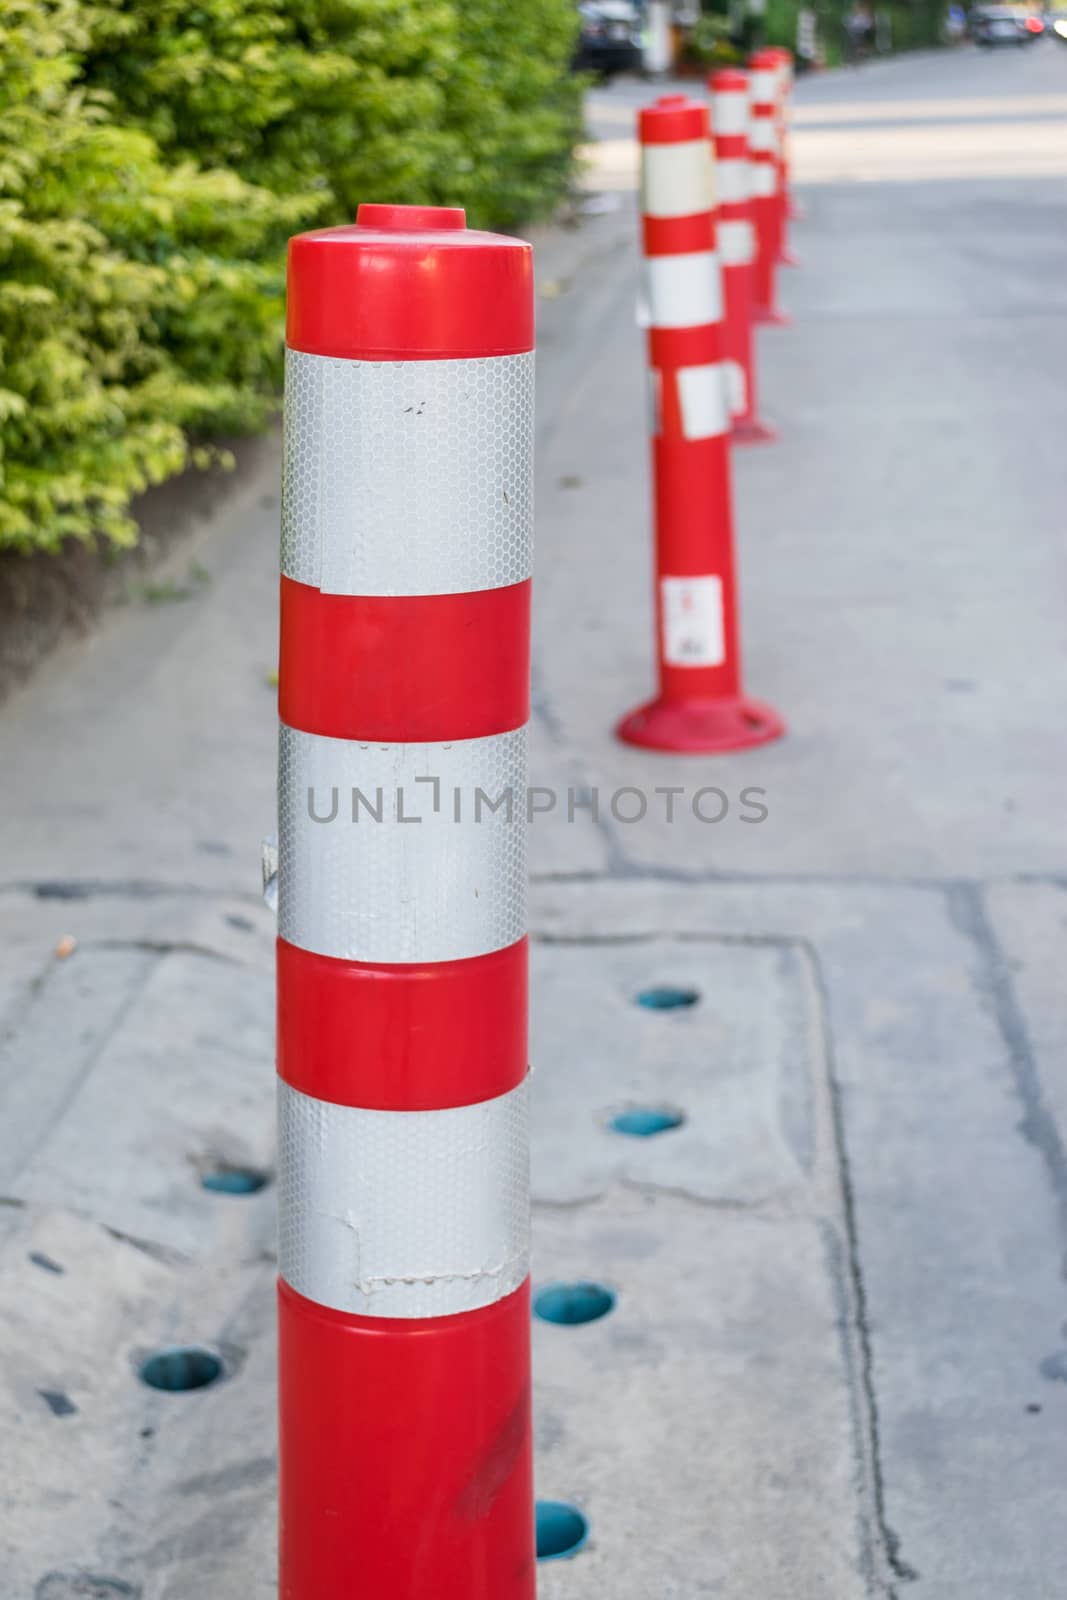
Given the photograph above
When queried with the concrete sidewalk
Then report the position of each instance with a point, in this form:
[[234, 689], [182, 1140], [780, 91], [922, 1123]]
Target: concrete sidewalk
[[836, 1367]]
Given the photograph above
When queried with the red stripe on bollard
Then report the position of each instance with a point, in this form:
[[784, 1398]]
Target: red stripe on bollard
[[404, 666], [766, 186], [700, 706], [405, 1457], [402, 1447], [402, 1037], [737, 248]]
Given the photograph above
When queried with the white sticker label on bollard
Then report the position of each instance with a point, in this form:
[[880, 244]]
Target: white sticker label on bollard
[[702, 401], [694, 633]]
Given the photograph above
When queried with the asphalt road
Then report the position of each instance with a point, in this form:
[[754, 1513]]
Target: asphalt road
[[837, 1363]]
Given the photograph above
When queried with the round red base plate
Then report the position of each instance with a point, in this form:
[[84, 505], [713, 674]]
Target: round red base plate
[[753, 431], [701, 727]]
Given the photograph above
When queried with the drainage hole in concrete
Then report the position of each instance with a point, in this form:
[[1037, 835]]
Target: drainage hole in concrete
[[572, 1303], [180, 1368], [234, 1180], [667, 997], [561, 1530], [642, 1122]]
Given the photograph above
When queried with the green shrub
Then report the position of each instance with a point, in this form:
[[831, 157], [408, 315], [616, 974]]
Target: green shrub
[[913, 24], [512, 111], [154, 157], [710, 45]]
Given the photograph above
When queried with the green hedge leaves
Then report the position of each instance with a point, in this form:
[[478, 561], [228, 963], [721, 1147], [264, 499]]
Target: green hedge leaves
[[155, 157]]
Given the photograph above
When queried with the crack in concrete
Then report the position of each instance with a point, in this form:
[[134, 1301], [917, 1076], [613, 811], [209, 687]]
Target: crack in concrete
[[123, 888], [967, 913], [749, 941], [695, 877], [639, 872], [163, 1253], [771, 1208], [163, 947], [855, 1309], [73, 1086]]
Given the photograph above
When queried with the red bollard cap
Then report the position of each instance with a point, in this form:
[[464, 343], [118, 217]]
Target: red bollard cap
[[764, 60], [728, 80], [673, 119], [409, 283]]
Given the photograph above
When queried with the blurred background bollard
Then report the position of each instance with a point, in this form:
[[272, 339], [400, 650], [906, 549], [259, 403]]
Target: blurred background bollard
[[786, 256], [700, 705], [737, 249], [404, 1370], [657, 45], [766, 185]]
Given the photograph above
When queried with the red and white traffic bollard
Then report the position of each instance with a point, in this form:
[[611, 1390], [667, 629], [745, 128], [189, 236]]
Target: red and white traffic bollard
[[405, 1447], [793, 209], [737, 249], [700, 705], [786, 256], [766, 186]]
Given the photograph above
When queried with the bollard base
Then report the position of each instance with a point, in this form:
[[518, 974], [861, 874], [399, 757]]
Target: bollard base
[[701, 727], [771, 316], [751, 430]]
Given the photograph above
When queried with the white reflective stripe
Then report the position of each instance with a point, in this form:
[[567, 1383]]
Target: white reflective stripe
[[407, 477], [763, 87], [683, 291], [403, 1213], [737, 243], [763, 136], [694, 627], [677, 180], [703, 402], [729, 115], [736, 387], [764, 179], [400, 889], [734, 182]]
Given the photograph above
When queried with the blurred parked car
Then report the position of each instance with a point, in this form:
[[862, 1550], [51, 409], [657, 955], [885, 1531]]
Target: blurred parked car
[[995, 25], [609, 37], [1056, 25]]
